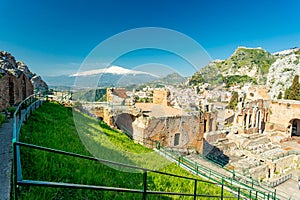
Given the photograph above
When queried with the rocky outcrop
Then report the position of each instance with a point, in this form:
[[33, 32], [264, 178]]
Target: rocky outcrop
[[9, 65], [254, 65], [38, 84], [283, 70], [16, 81]]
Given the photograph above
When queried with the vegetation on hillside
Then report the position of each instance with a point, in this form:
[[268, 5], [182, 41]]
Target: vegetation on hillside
[[238, 79], [293, 92], [279, 95], [91, 95], [170, 79], [238, 65], [53, 126], [233, 100]]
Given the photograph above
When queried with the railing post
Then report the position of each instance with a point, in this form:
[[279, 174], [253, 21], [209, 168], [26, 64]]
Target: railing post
[[275, 194], [256, 194], [144, 184], [20, 113], [239, 192], [195, 190], [15, 171], [250, 194], [222, 189]]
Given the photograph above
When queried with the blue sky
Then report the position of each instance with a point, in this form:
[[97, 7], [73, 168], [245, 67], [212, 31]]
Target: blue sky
[[54, 37]]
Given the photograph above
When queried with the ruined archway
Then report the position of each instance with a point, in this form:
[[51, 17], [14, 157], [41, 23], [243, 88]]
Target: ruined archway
[[124, 122], [295, 127]]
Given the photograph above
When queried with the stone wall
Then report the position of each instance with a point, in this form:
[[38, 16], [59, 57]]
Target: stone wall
[[284, 164], [260, 172], [160, 96], [282, 112], [187, 130], [13, 90], [118, 92]]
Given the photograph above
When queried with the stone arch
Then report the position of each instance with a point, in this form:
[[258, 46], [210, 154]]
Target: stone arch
[[124, 122], [295, 127]]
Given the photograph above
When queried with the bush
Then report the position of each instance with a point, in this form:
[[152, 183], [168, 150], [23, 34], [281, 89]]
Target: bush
[[11, 111], [2, 119]]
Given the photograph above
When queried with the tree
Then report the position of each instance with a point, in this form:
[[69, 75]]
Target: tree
[[279, 95], [233, 100], [293, 92]]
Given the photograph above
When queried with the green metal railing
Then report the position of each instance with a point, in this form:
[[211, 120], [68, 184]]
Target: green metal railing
[[230, 182], [144, 191]]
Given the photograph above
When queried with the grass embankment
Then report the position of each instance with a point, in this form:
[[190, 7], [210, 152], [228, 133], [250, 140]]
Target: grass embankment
[[53, 126]]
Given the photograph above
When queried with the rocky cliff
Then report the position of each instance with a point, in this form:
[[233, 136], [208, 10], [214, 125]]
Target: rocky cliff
[[9, 66], [16, 81], [253, 65], [283, 70]]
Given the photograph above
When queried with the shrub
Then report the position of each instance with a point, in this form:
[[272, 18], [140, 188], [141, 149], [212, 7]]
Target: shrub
[[11, 111], [2, 119]]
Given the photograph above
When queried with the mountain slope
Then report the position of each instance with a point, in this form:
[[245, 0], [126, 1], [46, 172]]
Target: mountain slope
[[252, 63], [111, 77], [282, 71]]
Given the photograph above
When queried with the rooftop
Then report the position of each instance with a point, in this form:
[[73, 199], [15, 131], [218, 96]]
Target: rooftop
[[156, 110]]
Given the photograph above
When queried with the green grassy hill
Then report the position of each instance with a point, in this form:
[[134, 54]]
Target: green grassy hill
[[53, 126], [245, 64]]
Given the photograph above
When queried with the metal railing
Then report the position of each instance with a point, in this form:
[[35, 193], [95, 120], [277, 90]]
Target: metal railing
[[144, 191], [241, 176], [230, 182], [21, 114]]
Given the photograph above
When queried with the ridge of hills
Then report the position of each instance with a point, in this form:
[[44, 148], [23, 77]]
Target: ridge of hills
[[252, 65]]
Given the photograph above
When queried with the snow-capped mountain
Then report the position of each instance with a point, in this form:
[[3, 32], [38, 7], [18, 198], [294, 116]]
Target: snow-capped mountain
[[112, 70], [113, 76]]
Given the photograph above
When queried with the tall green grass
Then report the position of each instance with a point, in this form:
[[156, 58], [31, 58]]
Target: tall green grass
[[53, 126]]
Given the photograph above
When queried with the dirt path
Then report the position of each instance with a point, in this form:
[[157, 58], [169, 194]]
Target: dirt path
[[5, 159]]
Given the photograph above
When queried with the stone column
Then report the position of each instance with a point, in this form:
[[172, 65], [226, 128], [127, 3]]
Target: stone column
[[259, 121], [208, 124], [253, 117], [247, 119]]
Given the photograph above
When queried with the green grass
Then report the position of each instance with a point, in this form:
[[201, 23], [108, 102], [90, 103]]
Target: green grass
[[58, 127]]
